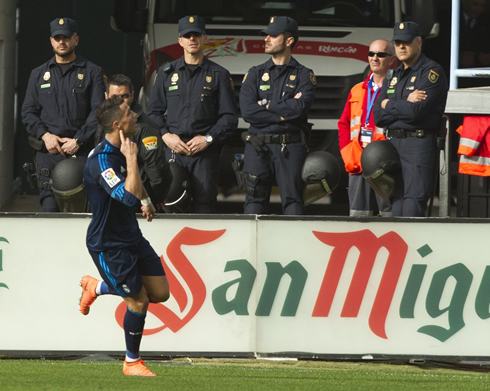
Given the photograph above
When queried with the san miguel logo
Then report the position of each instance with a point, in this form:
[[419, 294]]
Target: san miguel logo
[[196, 286], [447, 292]]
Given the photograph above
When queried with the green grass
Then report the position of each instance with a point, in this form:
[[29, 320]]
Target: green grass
[[236, 375]]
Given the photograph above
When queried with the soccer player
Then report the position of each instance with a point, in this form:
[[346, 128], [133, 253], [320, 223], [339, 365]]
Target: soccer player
[[129, 266]]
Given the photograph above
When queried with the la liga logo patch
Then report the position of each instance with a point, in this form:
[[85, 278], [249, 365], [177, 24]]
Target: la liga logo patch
[[110, 177]]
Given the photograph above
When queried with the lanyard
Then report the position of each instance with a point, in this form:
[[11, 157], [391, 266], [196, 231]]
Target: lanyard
[[370, 102]]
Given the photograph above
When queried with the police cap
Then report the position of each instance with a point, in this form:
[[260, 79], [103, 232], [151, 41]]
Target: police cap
[[406, 31], [63, 26], [192, 24], [279, 24]]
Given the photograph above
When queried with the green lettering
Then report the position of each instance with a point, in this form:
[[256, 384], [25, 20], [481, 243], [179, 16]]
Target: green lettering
[[275, 272], [243, 291], [2, 285], [412, 290], [482, 300], [455, 308]]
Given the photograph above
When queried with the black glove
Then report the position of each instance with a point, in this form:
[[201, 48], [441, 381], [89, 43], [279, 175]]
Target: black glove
[[259, 144]]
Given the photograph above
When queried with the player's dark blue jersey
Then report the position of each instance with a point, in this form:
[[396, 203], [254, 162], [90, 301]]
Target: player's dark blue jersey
[[114, 223]]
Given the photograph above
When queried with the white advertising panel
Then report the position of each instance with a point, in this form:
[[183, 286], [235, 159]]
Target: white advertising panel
[[273, 285]]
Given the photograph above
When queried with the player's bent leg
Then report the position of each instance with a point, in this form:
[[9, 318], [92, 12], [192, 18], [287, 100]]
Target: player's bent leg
[[157, 288], [138, 303], [91, 289]]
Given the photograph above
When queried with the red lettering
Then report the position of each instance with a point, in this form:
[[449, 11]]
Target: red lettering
[[368, 245], [186, 237]]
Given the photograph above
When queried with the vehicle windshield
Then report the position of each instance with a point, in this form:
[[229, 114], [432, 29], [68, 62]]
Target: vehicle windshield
[[319, 13]]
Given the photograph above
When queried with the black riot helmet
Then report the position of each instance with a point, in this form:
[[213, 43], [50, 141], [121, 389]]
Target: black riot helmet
[[67, 186], [380, 162], [178, 198], [321, 173]]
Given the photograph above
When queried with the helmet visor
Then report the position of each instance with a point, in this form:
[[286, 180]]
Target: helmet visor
[[382, 183]]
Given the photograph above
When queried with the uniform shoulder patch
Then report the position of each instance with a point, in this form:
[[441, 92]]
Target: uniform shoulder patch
[[150, 143], [313, 78], [245, 77], [110, 177], [433, 76]]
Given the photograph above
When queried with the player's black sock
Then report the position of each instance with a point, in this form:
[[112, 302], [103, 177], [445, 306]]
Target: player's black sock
[[134, 323]]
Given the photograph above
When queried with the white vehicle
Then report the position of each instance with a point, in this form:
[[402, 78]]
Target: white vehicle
[[334, 38]]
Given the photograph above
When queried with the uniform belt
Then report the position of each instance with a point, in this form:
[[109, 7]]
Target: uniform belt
[[283, 138], [43, 171], [402, 133]]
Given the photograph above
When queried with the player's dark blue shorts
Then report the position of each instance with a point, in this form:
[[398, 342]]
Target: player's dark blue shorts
[[122, 269]]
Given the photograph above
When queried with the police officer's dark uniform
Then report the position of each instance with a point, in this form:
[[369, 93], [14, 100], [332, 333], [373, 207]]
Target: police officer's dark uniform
[[413, 127], [276, 148], [154, 169], [189, 102], [61, 100]]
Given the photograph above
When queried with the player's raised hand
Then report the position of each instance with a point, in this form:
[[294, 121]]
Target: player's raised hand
[[128, 148]]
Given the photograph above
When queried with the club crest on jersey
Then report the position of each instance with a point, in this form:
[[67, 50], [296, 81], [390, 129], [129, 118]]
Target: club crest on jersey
[[110, 177]]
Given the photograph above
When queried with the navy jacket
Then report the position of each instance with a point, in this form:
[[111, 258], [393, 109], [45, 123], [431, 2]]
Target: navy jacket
[[188, 105], [399, 113], [279, 85], [64, 105]]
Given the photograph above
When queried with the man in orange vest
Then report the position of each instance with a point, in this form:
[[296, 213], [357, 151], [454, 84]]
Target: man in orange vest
[[357, 130]]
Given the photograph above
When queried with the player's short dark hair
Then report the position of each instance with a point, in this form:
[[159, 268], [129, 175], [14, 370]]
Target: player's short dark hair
[[109, 111], [119, 80], [288, 34]]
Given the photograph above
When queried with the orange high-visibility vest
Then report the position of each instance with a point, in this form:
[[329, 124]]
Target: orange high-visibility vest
[[351, 153], [474, 145]]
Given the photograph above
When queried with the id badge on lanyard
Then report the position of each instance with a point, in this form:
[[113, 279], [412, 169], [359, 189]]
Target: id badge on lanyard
[[367, 131], [366, 137]]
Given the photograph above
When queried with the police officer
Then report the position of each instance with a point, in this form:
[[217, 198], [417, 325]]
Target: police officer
[[410, 106], [59, 107], [154, 169], [194, 106], [275, 99]]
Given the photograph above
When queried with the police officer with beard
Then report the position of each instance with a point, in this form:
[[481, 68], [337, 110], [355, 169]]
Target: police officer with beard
[[59, 107], [410, 105], [275, 99]]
